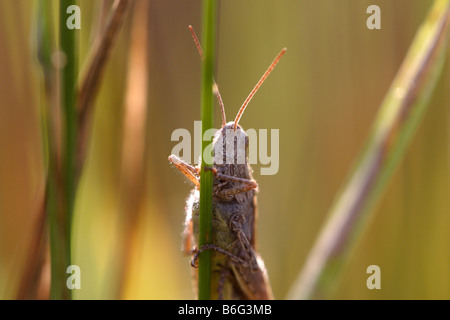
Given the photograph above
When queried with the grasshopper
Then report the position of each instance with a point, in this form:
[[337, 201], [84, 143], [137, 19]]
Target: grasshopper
[[238, 270]]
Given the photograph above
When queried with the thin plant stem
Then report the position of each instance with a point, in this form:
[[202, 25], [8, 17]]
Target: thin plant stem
[[206, 181], [63, 187], [69, 76], [76, 104], [65, 154]]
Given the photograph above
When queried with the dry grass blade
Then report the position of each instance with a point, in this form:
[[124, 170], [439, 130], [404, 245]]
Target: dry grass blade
[[88, 88], [30, 281], [29, 284], [132, 173]]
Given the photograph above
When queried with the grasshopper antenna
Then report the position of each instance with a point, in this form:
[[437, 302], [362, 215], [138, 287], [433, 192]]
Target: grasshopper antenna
[[260, 82], [215, 87]]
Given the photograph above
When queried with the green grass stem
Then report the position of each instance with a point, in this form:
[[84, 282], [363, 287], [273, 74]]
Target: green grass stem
[[64, 186], [206, 179]]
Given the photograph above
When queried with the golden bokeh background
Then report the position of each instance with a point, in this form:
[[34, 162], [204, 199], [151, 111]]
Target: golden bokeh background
[[323, 97]]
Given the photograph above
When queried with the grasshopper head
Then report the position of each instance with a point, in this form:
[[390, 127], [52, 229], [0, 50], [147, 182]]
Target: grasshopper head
[[230, 145]]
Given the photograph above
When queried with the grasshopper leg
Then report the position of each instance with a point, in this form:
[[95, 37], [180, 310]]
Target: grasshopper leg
[[233, 258], [191, 172], [245, 184], [235, 223]]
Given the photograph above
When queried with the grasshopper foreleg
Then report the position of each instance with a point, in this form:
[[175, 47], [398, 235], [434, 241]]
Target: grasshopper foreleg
[[191, 172]]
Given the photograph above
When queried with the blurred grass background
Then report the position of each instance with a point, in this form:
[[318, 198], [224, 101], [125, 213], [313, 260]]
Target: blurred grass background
[[323, 97]]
